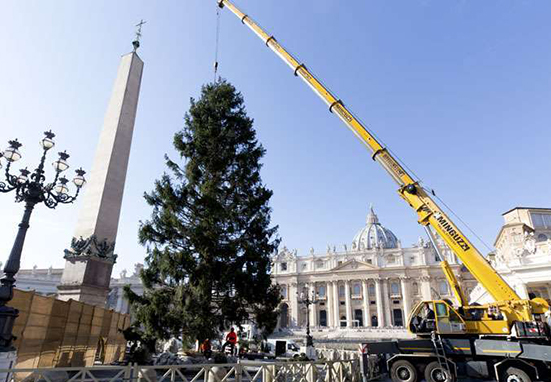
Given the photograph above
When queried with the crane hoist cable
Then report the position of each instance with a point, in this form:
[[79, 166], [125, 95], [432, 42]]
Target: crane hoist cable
[[217, 39]]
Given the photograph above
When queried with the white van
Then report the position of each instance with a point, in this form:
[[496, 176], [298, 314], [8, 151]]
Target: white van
[[283, 348]]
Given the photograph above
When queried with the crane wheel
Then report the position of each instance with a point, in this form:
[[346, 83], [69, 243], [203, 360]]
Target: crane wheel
[[435, 373], [403, 371], [512, 374]]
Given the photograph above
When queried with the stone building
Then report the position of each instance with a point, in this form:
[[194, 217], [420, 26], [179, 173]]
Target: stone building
[[371, 284], [523, 253], [45, 282]]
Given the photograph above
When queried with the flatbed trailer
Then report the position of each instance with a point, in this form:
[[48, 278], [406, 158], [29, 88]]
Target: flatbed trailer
[[439, 359]]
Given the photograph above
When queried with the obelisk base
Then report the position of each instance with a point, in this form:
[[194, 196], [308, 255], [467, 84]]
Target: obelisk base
[[86, 279]]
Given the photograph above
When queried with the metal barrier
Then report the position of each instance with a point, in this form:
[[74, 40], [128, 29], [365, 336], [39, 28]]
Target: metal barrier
[[337, 354], [316, 371]]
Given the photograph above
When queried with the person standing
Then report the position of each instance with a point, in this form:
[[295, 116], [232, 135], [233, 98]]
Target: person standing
[[206, 348], [231, 339]]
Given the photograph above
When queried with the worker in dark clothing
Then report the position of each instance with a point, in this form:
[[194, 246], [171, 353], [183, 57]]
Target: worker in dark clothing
[[427, 324]]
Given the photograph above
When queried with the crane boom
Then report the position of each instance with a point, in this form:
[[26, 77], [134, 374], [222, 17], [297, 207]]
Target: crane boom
[[429, 213]]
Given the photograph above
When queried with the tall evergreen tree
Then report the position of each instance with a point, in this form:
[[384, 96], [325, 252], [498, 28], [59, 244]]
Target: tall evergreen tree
[[209, 238]]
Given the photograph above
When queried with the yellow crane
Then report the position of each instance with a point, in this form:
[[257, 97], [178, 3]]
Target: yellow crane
[[429, 213], [506, 339]]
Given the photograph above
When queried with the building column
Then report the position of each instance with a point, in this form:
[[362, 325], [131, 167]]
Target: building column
[[336, 305], [293, 298], [367, 321], [348, 304], [380, 311], [314, 307], [522, 290], [329, 303], [388, 305], [426, 291], [405, 300]]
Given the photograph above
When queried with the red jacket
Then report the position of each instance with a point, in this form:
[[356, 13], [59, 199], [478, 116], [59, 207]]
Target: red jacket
[[231, 337]]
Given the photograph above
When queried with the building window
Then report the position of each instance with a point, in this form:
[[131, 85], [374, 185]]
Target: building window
[[369, 261], [390, 260], [413, 260], [397, 317], [394, 289], [541, 220], [341, 290], [357, 290], [319, 264], [358, 318], [304, 266], [374, 321], [415, 289], [284, 292], [371, 290], [283, 267], [443, 288], [321, 291], [323, 318], [541, 237]]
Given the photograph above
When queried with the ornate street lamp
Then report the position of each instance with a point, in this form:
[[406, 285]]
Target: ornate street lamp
[[32, 189], [305, 299]]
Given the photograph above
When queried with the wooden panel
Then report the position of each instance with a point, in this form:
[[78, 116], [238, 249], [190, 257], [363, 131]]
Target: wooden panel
[[65, 333]]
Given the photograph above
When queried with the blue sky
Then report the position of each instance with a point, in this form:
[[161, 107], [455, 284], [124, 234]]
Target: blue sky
[[460, 90]]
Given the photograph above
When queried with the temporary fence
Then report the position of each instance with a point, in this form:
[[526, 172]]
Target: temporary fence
[[248, 371]]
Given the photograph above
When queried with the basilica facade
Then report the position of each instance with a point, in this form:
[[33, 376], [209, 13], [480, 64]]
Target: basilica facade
[[370, 285], [522, 253]]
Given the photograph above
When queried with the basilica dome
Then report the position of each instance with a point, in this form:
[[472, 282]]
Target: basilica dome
[[374, 235]]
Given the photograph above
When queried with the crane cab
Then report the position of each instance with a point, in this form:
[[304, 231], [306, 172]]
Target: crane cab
[[436, 316]]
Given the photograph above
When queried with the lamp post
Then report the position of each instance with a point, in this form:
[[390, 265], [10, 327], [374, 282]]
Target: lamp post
[[32, 189], [305, 299]]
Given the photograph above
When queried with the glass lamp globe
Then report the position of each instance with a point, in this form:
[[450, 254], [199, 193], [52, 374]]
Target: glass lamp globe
[[61, 188], [12, 154], [79, 179], [61, 164], [24, 177], [47, 142]]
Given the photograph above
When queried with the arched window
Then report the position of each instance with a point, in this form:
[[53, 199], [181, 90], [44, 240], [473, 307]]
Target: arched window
[[394, 289], [374, 321], [541, 237], [321, 291], [371, 290], [283, 267], [357, 290], [284, 291], [443, 288], [341, 290], [415, 289]]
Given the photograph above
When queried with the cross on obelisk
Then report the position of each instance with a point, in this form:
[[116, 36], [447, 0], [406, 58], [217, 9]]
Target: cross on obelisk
[[90, 258], [136, 42]]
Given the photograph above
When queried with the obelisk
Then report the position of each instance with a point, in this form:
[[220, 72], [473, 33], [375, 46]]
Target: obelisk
[[90, 259]]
